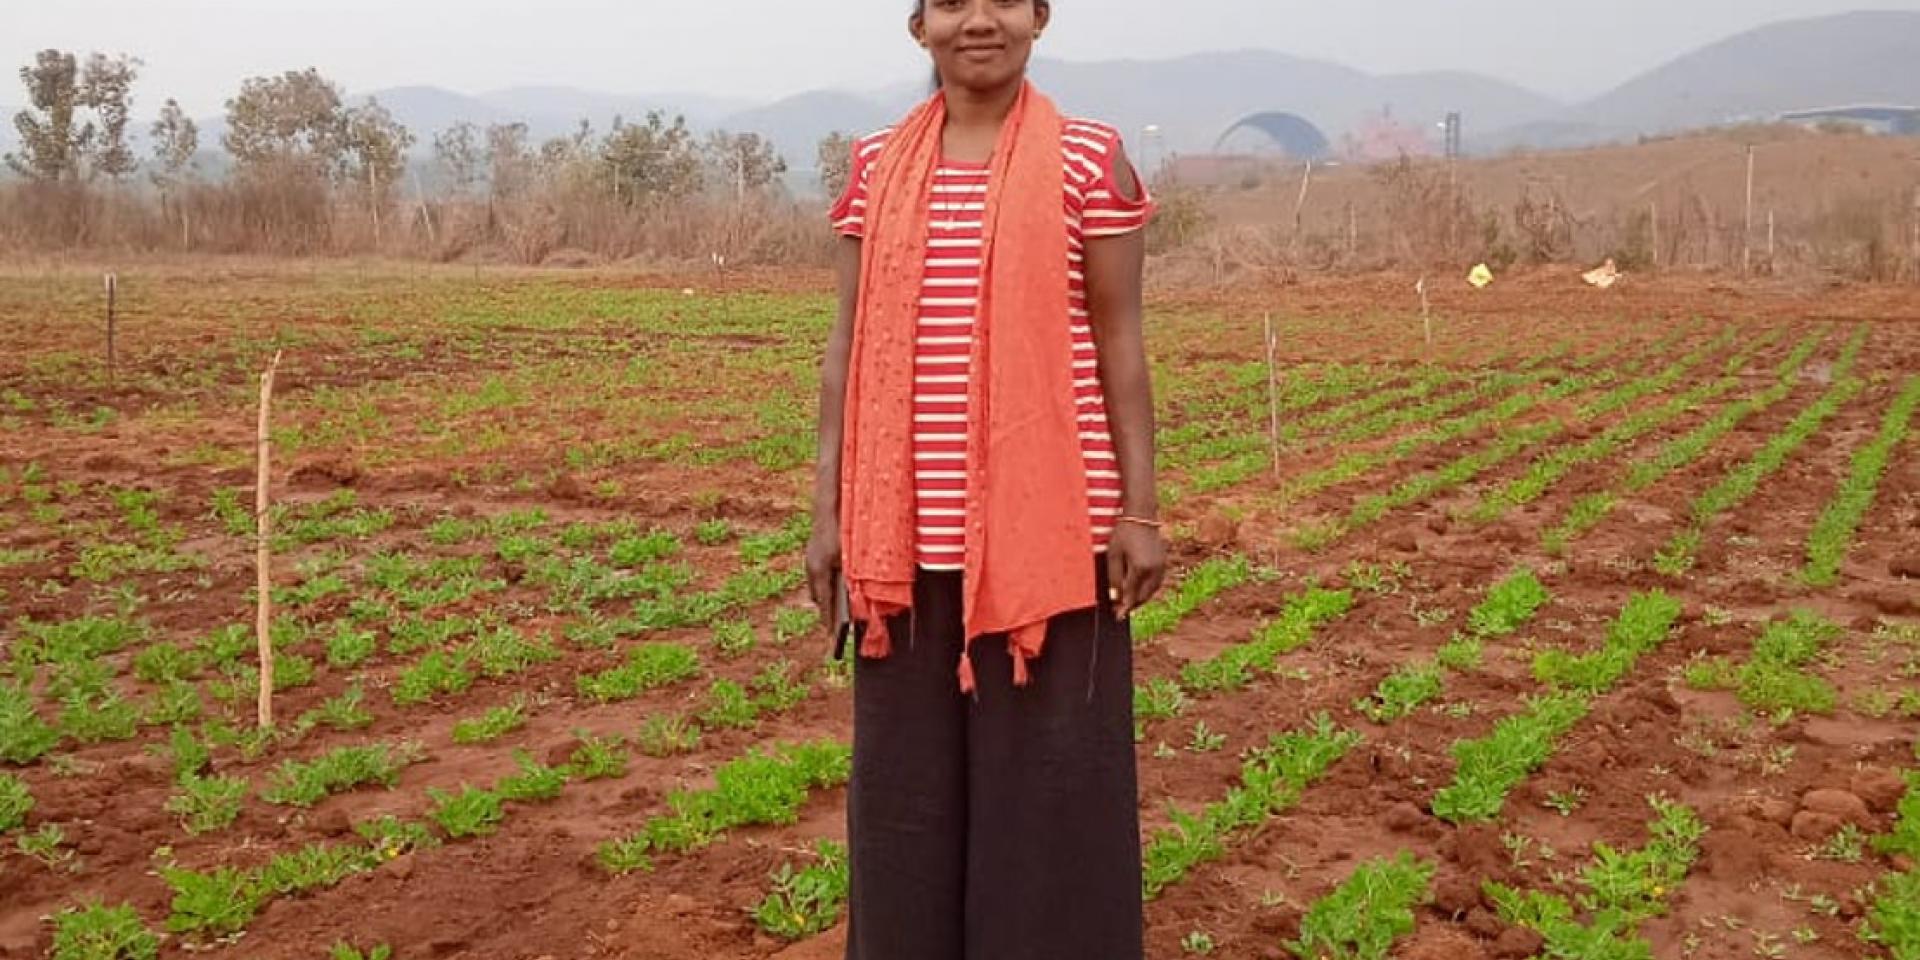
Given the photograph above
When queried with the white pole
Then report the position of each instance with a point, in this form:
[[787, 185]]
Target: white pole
[[1273, 397], [263, 549], [1746, 238], [1426, 311]]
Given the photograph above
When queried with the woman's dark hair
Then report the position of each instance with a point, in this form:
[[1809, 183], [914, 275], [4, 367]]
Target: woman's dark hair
[[920, 6], [920, 10]]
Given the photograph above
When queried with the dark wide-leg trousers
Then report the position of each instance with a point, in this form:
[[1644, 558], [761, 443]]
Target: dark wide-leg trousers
[[1000, 826]]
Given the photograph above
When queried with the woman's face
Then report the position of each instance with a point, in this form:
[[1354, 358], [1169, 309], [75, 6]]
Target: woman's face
[[980, 44]]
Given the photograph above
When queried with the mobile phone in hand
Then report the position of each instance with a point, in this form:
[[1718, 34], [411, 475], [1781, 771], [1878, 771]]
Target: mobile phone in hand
[[842, 617]]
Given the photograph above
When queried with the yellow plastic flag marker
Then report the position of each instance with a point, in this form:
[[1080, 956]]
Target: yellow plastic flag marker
[[1480, 277]]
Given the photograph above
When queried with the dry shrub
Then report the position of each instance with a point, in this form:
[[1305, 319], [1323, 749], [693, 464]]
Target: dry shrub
[[1857, 236], [1431, 215], [1181, 218]]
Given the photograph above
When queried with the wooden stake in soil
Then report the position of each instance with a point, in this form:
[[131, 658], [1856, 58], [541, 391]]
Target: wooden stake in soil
[[1653, 226], [113, 290], [1746, 231], [1426, 312], [1273, 397], [1300, 206], [1353, 233], [420, 197], [1913, 252], [263, 552], [1770, 260]]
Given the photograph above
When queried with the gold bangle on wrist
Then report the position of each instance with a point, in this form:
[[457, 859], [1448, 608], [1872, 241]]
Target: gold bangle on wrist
[[1142, 521]]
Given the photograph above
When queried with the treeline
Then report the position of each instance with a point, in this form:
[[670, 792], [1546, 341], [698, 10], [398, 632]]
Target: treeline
[[304, 172]]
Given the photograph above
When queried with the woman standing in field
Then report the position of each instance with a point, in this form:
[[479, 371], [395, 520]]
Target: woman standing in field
[[986, 494]]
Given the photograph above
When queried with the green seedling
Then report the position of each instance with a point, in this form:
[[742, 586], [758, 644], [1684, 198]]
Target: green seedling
[[664, 735], [99, 932], [497, 722], [346, 711], [647, 667], [759, 788], [807, 901], [1205, 740], [471, 812], [535, 782], [206, 804], [15, 802], [1201, 584], [301, 784], [1363, 918], [47, 845], [729, 707], [1402, 692]]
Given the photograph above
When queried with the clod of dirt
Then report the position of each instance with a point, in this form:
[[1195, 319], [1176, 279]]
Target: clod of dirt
[[333, 823], [449, 946], [561, 754], [1732, 850], [401, 868], [106, 463], [1443, 943], [1518, 943], [1478, 851], [1851, 908], [1839, 804], [1880, 788], [1816, 827], [1217, 531], [1456, 896], [1405, 818], [567, 489], [1905, 565], [1277, 924], [1485, 924], [1894, 601], [1404, 541], [146, 766], [324, 474], [1777, 812]]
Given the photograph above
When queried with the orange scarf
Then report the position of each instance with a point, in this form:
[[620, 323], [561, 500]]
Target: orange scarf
[[1029, 540]]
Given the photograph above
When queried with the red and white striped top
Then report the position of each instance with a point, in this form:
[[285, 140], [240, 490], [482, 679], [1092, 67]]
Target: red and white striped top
[[949, 298]]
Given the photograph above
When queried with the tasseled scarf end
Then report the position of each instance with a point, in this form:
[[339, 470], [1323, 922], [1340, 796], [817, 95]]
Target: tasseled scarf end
[[876, 643]]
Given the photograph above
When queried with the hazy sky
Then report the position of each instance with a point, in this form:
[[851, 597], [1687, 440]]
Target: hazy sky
[[198, 50]]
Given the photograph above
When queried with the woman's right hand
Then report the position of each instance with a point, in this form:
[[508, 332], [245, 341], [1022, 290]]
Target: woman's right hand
[[823, 569]]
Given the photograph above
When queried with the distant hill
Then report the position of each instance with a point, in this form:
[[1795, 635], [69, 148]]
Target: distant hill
[[1191, 99], [796, 125], [1194, 99], [601, 108], [1855, 57], [1865, 57]]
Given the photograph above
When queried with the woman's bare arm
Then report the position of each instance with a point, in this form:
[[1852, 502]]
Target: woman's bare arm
[[1115, 265], [823, 550]]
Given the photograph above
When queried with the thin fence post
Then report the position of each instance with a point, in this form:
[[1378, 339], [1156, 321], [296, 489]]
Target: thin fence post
[[1273, 397], [1913, 242], [1771, 262], [113, 292], [1300, 205], [1746, 229], [1426, 311], [1353, 233], [263, 548], [1653, 224]]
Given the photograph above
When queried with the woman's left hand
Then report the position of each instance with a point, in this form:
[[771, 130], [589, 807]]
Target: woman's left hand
[[1136, 566]]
